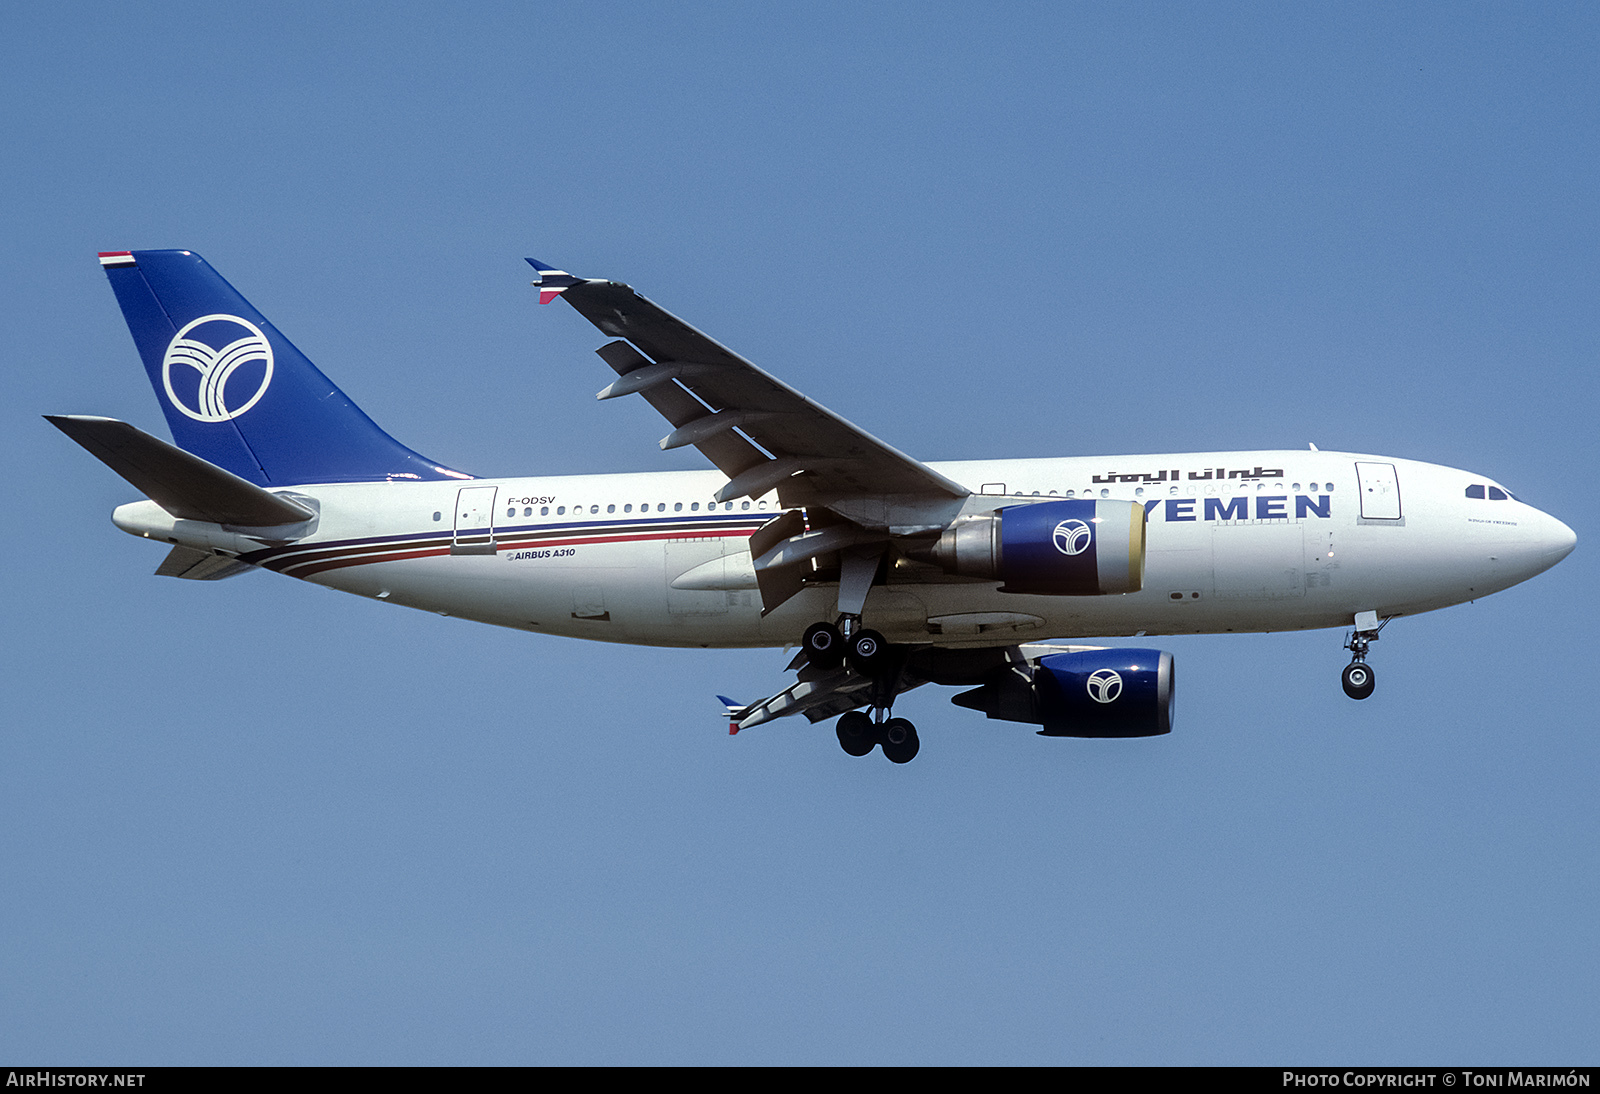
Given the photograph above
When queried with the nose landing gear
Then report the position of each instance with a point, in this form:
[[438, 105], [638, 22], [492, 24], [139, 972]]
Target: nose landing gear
[[1358, 678]]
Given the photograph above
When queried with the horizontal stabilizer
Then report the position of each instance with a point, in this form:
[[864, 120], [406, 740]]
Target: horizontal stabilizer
[[184, 485], [195, 565]]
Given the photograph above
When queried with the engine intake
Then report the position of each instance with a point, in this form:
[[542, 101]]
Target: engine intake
[[1073, 547]]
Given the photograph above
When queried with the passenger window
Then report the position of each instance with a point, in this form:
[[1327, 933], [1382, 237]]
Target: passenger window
[[627, 508], [437, 517], [512, 511], [1496, 494], [661, 507], [694, 507], [677, 507], [544, 510], [561, 510], [1475, 491], [611, 508]]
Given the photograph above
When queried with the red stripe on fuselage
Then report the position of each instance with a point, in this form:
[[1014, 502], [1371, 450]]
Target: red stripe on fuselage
[[342, 558]]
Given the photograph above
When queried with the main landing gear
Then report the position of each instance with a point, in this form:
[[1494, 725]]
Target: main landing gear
[[827, 646], [1358, 678], [858, 733]]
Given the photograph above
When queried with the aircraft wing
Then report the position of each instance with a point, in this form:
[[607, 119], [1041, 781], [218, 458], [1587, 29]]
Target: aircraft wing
[[711, 395], [818, 694], [821, 693]]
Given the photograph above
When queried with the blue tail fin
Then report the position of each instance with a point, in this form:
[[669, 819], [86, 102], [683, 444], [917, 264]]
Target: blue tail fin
[[236, 392]]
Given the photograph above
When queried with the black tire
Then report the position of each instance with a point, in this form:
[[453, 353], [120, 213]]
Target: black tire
[[869, 653], [900, 741], [1358, 679], [823, 645], [857, 734]]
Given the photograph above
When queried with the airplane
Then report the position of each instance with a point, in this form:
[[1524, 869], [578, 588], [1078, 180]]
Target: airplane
[[885, 571]]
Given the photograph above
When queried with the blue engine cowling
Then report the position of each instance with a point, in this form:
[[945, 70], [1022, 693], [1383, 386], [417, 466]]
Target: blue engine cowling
[[1076, 547], [1085, 693], [1105, 693]]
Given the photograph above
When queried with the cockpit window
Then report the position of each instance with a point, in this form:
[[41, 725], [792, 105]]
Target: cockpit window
[[1496, 494], [1475, 491]]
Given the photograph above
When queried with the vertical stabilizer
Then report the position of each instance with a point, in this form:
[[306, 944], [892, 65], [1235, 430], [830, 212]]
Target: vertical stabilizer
[[239, 394]]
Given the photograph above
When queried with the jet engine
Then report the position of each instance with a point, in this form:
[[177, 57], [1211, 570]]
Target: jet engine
[[1085, 693], [1074, 547]]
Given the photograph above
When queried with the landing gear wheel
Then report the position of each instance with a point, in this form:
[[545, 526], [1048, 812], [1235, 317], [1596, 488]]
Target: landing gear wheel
[[1358, 680], [823, 645], [900, 742], [857, 734], [868, 652]]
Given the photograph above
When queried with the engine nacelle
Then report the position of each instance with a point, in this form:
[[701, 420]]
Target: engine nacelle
[[1085, 693], [1073, 547], [1105, 693]]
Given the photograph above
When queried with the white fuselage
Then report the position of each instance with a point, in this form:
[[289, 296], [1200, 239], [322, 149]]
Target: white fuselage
[[1237, 541]]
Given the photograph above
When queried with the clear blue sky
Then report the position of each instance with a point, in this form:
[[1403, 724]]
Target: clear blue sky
[[256, 821]]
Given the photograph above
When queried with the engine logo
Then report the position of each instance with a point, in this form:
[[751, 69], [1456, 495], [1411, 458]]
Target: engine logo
[[216, 355], [1105, 685], [1072, 537]]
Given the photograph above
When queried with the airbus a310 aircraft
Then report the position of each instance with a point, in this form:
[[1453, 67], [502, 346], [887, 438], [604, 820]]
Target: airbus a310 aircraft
[[886, 572]]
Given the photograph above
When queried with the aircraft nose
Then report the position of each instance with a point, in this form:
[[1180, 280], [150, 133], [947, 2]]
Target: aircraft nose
[[1557, 539], [1543, 542]]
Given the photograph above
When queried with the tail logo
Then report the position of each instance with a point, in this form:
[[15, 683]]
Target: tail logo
[[204, 362]]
